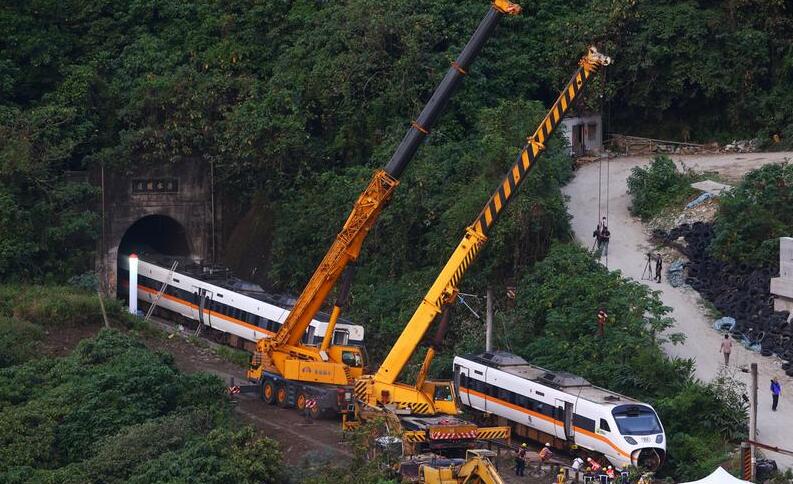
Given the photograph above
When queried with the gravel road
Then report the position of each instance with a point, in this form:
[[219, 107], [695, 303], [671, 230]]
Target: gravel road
[[629, 244]]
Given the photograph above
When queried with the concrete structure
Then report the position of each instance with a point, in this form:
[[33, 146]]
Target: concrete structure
[[712, 187], [168, 208], [584, 133], [782, 286]]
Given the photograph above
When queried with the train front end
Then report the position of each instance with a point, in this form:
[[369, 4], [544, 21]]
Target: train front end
[[643, 440]]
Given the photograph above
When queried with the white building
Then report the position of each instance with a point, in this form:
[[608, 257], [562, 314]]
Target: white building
[[782, 286], [584, 133]]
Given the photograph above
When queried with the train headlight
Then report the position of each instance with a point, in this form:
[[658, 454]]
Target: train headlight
[[630, 440], [659, 439]]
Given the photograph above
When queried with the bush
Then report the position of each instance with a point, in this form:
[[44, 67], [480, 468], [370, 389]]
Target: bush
[[18, 341], [56, 306], [113, 411], [658, 186], [754, 215]]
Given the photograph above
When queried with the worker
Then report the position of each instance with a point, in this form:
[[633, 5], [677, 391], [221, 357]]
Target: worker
[[605, 237], [610, 472], [520, 460], [561, 476], [602, 318], [545, 453], [578, 462], [776, 390], [593, 464]]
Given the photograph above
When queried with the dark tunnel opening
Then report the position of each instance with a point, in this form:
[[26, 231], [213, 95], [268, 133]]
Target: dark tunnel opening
[[155, 234]]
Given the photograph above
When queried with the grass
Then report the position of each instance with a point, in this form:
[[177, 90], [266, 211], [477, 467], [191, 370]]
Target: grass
[[238, 357]]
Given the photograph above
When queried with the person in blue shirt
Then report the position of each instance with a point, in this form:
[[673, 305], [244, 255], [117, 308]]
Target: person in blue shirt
[[776, 390]]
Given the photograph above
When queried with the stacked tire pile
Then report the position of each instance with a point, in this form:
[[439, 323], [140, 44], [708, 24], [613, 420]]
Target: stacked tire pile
[[736, 290]]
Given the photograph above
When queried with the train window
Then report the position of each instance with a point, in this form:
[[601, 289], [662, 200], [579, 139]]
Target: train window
[[176, 280], [463, 380], [604, 425], [504, 394], [220, 295], [341, 337]]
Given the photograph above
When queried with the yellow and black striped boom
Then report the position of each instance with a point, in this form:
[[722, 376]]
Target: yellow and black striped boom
[[444, 289]]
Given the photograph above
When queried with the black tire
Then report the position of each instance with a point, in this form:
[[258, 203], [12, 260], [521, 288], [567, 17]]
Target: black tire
[[268, 392], [281, 396]]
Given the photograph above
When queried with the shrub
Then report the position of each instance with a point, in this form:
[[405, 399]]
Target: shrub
[[658, 186], [754, 215], [18, 341], [113, 411], [56, 306]]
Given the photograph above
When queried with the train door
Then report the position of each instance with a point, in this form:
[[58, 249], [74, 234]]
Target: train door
[[461, 379], [564, 413], [203, 303]]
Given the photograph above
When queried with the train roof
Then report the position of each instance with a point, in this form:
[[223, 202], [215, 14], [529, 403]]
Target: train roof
[[560, 380], [222, 276]]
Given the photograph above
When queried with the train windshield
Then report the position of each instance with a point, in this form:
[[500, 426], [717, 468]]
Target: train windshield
[[636, 420]]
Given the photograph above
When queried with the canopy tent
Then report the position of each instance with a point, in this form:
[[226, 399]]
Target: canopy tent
[[719, 476]]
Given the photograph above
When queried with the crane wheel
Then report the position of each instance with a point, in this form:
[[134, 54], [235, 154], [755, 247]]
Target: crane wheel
[[268, 392], [300, 401], [280, 396]]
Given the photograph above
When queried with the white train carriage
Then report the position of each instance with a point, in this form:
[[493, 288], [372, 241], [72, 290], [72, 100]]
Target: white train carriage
[[226, 304], [561, 407]]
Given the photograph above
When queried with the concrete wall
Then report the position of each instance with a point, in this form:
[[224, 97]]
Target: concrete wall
[[782, 286], [181, 191], [592, 133]]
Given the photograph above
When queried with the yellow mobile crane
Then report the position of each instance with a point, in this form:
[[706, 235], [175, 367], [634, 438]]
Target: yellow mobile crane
[[288, 371], [429, 398]]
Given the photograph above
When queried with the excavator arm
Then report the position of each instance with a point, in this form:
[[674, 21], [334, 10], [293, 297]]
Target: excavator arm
[[381, 387], [347, 244]]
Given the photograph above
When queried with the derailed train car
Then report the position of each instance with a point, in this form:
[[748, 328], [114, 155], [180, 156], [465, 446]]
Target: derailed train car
[[237, 312], [562, 408]]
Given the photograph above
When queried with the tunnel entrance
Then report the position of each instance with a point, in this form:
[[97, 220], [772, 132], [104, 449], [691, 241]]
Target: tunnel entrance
[[155, 234]]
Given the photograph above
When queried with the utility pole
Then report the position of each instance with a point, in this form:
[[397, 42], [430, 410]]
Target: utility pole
[[753, 420], [489, 321]]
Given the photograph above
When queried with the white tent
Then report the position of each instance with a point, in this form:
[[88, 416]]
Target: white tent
[[719, 476]]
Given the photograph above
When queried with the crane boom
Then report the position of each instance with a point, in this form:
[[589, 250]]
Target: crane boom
[[347, 244], [444, 289]]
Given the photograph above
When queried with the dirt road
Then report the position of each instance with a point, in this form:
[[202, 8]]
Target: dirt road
[[301, 442], [629, 244]]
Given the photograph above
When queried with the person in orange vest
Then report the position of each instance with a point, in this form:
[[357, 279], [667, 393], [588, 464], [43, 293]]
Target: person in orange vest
[[545, 453]]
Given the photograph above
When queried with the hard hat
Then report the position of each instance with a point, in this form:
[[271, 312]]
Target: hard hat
[[523, 444], [547, 444], [609, 467], [589, 459]]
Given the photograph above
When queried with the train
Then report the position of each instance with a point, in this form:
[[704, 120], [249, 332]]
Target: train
[[237, 312], [562, 408]]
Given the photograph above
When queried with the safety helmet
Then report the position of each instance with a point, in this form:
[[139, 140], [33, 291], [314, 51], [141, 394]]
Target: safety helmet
[[547, 444], [523, 444]]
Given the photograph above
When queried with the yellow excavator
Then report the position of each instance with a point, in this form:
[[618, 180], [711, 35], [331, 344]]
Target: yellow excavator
[[419, 405], [288, 372], [477, 469]]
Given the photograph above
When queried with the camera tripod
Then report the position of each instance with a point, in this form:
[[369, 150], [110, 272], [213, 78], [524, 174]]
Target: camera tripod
[[648, 268]]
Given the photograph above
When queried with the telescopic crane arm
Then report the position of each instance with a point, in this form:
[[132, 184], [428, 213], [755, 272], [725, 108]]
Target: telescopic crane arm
[[382, 385], [347, 245]]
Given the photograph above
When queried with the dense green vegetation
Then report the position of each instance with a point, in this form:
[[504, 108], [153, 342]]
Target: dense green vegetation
[[111, 411], [754, 215], [658, 186], [278, 95]]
